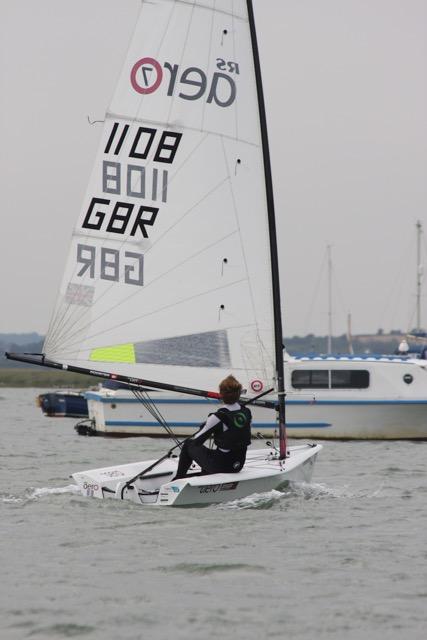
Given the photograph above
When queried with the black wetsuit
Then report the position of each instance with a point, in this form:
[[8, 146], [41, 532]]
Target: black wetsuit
[[230, 428]]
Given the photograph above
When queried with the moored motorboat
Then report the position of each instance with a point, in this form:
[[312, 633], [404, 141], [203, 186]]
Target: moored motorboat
[[328, 397], [70, 403], [63, 404]]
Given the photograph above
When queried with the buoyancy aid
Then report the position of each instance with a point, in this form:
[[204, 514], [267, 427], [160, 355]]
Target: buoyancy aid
[[237, 434]]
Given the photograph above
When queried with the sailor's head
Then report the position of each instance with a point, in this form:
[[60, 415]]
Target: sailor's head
[[230, 389]]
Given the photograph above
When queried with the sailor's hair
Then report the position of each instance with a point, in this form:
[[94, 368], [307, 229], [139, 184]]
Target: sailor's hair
[[230, 389]]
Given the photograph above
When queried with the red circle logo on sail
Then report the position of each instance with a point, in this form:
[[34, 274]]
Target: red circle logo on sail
[[257, 386], [146, 75]]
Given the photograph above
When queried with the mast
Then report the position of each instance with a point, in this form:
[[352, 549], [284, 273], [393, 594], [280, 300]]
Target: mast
[[329, 250], [278, 332], [419, 227], [349, 335]]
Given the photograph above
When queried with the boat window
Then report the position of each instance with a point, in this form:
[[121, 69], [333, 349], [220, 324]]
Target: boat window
[[335, 379], [349, 379], [310, 379]]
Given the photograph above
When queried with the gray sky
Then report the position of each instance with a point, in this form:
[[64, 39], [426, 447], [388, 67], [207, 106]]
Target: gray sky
[[346, 92]]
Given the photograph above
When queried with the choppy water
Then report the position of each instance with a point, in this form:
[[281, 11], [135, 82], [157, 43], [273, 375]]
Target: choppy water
[[344, 557]]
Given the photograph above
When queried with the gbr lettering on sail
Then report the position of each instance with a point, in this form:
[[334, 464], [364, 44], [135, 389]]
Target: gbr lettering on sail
[[132, 174]]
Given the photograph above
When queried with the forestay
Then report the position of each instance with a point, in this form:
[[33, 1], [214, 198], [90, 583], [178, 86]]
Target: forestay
[[169, 272]]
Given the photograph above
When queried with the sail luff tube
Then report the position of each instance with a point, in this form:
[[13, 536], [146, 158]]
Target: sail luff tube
[[42, 361], [278, 332]]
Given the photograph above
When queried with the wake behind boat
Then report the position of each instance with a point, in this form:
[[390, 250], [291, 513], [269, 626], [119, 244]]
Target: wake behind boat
[[263, 471]]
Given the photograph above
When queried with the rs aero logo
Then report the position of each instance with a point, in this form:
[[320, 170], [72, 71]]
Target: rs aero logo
[[192, 83]]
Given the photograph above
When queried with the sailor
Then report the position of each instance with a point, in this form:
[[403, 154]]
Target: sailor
[[230, 428]]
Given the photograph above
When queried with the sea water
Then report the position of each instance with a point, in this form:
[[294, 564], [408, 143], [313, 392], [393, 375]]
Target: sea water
[[343, 557]]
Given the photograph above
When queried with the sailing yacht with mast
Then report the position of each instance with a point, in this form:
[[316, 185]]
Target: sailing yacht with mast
[[418, 334], [172, 280]]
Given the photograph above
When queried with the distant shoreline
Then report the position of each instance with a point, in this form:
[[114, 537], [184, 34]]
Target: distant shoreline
[[22, 378]]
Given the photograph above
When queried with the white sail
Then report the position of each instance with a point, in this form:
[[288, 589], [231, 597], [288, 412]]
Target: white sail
[[169, 272]]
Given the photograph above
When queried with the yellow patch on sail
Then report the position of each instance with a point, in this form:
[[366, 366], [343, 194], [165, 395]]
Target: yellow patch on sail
[[119, 353]]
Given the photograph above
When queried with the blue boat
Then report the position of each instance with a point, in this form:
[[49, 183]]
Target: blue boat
[[69, 404], [63, 404]]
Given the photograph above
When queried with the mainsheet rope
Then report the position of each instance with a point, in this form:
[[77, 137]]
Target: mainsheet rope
[[152, 408]]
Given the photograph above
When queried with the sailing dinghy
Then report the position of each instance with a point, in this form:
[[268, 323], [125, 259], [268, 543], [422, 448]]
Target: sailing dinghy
[[172, 280], [263, 472]]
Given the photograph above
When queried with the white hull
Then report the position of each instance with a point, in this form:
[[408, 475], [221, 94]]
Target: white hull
[[263, 472], [388, 409]]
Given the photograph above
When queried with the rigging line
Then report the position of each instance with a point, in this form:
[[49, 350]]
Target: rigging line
[[168, 306], [145, 400], [167, 427], [398, 281], [265, 357], [411, 313], [343, 302], [410, 322], [245, 262], [401, 295], [151, 407], [315, 293], [76, 312]]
